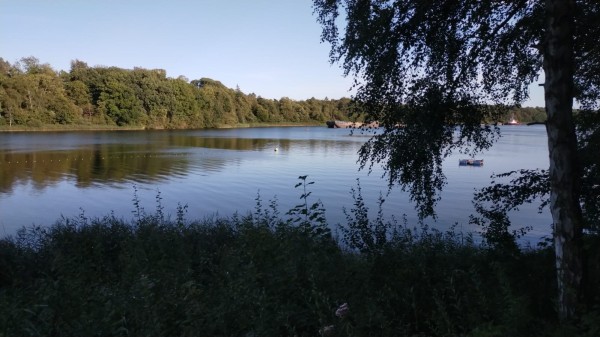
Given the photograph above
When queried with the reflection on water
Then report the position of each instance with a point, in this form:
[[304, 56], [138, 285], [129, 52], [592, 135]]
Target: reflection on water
[[44, 175], [102, 164], [166, 156]]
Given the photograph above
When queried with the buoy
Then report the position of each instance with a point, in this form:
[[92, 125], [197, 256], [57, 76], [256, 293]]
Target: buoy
[[276, 149]]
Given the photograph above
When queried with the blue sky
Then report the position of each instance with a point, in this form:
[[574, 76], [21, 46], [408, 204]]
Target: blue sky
[[269, 47]]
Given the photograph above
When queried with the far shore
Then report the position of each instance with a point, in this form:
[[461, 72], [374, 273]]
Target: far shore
[[52, 128]]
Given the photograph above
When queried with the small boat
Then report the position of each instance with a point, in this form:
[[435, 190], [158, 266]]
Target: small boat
[[353, 125], [470, 162], [341, 124], [513, 121]]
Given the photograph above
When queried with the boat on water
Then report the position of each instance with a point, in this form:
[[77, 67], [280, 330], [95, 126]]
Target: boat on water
[[470, 162], [345, 124], [513, 121]]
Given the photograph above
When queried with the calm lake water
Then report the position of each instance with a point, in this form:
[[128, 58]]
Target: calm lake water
[[44, 176]]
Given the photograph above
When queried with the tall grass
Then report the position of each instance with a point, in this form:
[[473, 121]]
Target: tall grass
[[265, 274]]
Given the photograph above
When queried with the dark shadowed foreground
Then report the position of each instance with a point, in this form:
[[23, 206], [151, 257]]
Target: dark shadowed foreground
[[266, 274]]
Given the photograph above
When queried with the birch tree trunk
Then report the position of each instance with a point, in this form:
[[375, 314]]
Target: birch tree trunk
[[562, 146]]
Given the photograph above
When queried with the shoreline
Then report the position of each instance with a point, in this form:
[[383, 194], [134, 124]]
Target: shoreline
[[57, 128]]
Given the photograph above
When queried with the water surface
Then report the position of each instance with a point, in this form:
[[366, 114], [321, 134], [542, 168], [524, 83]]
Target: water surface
[[45, 175]]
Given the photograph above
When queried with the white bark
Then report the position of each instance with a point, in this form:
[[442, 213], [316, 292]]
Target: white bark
[[562, 146]]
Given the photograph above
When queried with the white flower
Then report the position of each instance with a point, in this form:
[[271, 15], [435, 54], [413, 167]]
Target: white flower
[[342, 310], [327, 330]]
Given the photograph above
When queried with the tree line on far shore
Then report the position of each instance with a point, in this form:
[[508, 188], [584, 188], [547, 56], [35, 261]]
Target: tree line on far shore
[[33, 94]]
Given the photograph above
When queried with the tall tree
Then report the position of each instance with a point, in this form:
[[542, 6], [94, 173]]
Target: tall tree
[[437, 66]]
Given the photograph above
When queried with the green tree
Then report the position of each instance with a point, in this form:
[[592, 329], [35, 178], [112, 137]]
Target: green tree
[[79, 94], [33, 94], [271, 112], [434, 67], [31, 65], [116, 95], [120, 104]]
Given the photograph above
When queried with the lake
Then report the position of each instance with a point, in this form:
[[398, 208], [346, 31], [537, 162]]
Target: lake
[[46, 175]]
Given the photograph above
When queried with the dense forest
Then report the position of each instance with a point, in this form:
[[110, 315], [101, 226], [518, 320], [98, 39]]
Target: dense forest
[[33, 94]]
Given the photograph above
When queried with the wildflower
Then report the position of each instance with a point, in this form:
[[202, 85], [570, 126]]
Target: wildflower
[[326, 330], [342, 310]]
